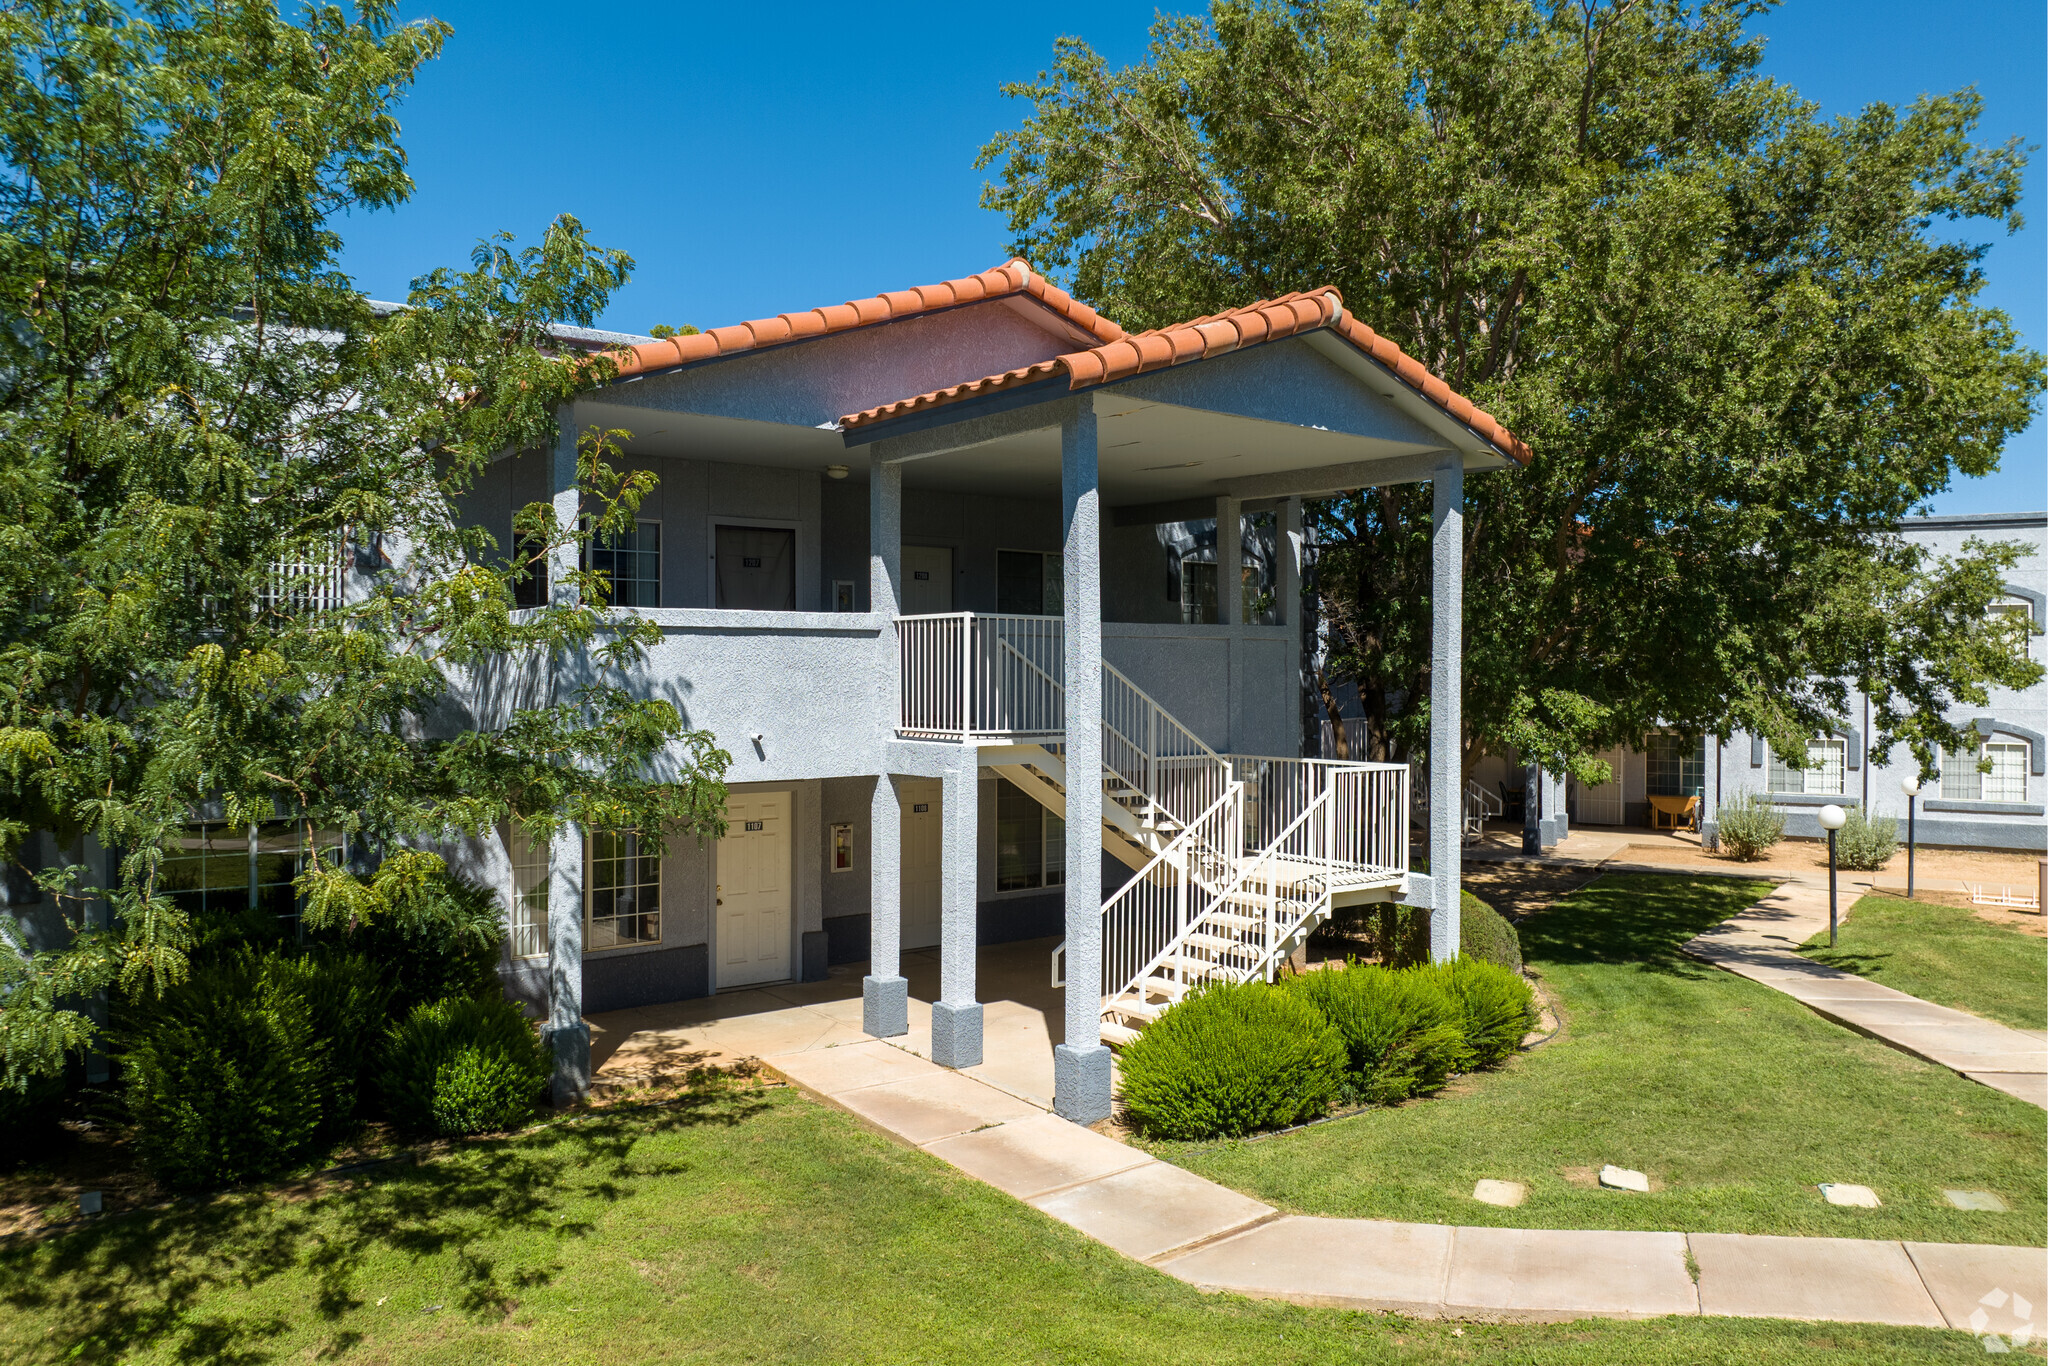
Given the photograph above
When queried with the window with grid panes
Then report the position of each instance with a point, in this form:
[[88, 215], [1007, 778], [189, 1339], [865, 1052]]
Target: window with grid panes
[[1822, 775], [632, 559], [1675, 768], [622, 899], [1964, 775], [532, 866], [1031, 842]]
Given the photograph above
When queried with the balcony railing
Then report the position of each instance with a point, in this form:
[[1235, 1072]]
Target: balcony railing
[[966, 676]]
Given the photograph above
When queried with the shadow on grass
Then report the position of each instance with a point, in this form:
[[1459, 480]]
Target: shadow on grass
[[1636, 918], [146, 1282]]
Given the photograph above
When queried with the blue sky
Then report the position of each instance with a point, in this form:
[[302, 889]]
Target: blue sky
[[757, 160]]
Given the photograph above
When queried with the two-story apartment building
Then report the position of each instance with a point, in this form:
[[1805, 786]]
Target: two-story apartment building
[[1990, 795], [928, 565]]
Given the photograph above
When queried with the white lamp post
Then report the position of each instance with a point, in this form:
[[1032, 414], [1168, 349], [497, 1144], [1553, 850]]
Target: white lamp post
[[1832, 818], [1910, 785]]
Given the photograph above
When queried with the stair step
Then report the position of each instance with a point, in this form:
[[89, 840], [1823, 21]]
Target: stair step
[[1131, 1008], [1216, 943], [1188, 963], [1164, 986], [1230, 920], [1116, 1035]]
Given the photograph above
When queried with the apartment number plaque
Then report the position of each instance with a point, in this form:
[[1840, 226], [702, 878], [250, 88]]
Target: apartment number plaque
[[757, 825], [920, 808]]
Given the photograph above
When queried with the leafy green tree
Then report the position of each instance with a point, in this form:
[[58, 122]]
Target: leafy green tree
[[232, 574], [1742, 340]]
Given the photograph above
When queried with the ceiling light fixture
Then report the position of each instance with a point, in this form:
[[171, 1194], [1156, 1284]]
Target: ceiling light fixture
[[835, 471]]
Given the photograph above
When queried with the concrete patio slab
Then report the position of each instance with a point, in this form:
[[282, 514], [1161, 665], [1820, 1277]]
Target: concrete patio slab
[[1960, 1276], [1752, 1276], [1031, 1157], [2031, 1087], [848, 1067], [1334, 1263], [1543, 1276], [937, 1105], [1152, 1210]]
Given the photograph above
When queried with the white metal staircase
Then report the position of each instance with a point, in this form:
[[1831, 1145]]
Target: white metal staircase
[[1236, 859]]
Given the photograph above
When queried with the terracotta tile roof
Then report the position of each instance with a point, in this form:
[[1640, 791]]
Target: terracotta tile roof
[[1014, 277], [1291, 314]]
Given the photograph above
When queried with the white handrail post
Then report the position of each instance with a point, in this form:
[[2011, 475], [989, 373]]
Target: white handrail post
[[967, 726]]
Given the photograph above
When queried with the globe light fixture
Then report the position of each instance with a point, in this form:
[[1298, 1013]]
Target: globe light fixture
[[1832, 818]]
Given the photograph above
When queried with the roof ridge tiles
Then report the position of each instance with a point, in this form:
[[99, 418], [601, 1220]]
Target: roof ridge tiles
[[1013, 277], [1288, 315]]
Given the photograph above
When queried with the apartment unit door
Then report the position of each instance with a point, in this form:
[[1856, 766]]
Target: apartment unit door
[[754, 901], [927, 579], [920, 804], [1602, 805]]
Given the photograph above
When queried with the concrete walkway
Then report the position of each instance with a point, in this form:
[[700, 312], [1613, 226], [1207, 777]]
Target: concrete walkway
[[1219, 1239], [1759, 944]]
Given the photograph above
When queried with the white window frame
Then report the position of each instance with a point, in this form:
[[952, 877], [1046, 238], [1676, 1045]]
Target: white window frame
[[1963, 780], [590, 919], [1046, 846], [590, 548], [1825, 774], [527, 934]]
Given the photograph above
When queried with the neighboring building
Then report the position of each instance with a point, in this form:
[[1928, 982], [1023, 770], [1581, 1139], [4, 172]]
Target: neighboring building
[[1964, 807], [916, 558]]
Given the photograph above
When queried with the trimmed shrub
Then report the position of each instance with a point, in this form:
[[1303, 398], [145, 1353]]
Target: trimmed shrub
[[1497, 1007], [1749, 826], [1485, 934], [222, 1074], [1866, 844], [1230, 1059], [347, 997], [1398, 936], [464, 1065], [1402, 1031]]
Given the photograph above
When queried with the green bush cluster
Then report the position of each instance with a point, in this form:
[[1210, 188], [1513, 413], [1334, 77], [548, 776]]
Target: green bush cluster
[[260, 1057], [223, 1073], [1398, 936], [1749, 826], [1866, 844], [465, 1065], [1234, 1058]]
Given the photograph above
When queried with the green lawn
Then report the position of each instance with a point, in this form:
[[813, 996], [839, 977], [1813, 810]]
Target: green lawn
[[1943, 954], [1735, 1100], [748, 1226]]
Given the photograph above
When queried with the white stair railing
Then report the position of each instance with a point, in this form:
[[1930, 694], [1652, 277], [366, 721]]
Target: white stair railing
[[968, 676]]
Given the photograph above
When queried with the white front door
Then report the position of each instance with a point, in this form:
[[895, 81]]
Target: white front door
[[1602, 805], [927, 579], [753, 890], [920, 801]]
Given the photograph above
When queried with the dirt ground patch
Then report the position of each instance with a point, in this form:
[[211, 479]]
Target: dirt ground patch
[[1520, 892]]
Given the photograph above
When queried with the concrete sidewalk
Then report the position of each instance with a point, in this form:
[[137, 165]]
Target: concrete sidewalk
[[1219, 1239], [1759, 944]]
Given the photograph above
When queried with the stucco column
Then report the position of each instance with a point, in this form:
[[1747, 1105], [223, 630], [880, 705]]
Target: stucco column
[[1080, 1065], [1710, 795], [1533, 809], [1230, 561], [564, 560], [885, 995], [1446, 695], [568, 1037], [956, 1015]]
